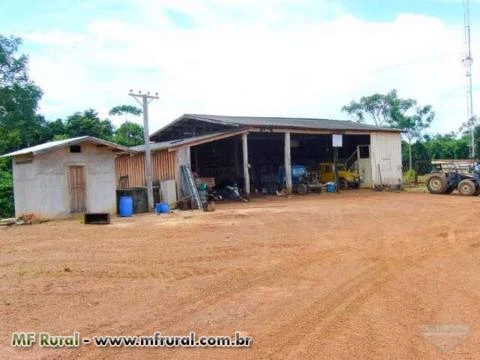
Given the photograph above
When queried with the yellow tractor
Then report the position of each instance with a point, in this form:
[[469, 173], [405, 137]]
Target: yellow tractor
[[346, 178]]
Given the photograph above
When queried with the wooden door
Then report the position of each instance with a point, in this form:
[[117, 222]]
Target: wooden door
[[77, 187]]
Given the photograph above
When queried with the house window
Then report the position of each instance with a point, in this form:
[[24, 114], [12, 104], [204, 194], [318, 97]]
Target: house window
[[75, 149]]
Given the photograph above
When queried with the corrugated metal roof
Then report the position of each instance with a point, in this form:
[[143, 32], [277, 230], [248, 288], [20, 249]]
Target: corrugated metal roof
[[196, 140], [279, 122], [311, 123], [52, 145]]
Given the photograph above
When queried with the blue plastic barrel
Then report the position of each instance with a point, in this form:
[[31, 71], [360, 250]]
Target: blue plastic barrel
[[331, 187], [126, 206], [162, 208]]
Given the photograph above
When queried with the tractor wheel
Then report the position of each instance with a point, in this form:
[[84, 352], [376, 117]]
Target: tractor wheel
[[302, 189], [437, 184], [342, 184], [467, 187]]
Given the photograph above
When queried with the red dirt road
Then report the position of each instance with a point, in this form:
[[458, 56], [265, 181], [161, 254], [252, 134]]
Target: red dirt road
[[360, 275]]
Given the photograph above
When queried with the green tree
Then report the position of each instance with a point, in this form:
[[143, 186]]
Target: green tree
[[446, 146], [20, 125], [125, 110], [6, 190], [392, 111], [411, 121], [87, 123], [431, 147], [129, 134], [54, 129], [375, 108], [466, 132]]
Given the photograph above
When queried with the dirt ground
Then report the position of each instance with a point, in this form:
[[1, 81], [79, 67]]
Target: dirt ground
[[358, 275]]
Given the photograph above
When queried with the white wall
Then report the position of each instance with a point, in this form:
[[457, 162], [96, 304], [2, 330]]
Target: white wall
[[183, 158], [386, 151], [365, 171], [41, 187]]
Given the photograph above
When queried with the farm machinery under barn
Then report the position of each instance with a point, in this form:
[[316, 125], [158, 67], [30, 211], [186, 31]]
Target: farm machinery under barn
[[445, 182], [303, 181]]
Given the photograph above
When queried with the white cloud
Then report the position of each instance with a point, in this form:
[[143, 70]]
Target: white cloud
[[55, 38], [248, 58]]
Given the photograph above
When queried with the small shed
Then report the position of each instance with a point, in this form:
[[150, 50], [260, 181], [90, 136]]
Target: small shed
[[66, 177]]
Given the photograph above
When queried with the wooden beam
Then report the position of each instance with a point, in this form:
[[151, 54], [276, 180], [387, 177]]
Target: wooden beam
[[308, 131], [207, 139], [288, 165], [246, 172]]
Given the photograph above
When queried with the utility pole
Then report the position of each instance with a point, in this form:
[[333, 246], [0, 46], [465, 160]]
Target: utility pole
[[468, 60], [144, 100]]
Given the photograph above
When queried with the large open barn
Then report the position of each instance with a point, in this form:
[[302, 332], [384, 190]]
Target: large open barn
[[249, 151]]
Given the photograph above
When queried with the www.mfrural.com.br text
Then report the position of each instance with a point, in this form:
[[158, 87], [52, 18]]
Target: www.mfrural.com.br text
[[191, 340]]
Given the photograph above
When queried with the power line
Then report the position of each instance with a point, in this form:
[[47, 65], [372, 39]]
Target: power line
[[422, 61]]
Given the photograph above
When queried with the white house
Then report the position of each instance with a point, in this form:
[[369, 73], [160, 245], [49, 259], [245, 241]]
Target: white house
[[62, 178]]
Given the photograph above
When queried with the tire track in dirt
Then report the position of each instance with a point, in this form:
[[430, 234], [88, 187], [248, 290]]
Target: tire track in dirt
[[418, 296], [416, 260], [326, 313], [227, 288], [230, 286], [217, 293], [345, 301]]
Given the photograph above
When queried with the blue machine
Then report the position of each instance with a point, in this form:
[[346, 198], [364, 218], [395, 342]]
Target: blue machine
[[298, 171]]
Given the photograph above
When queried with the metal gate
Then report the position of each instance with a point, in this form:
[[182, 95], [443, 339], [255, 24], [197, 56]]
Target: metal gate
[[77, 189]]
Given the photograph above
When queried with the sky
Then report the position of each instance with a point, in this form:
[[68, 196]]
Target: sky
[[298, 58]]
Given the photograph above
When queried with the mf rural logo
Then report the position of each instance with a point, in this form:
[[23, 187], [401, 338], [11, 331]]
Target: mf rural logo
[[446, 337]]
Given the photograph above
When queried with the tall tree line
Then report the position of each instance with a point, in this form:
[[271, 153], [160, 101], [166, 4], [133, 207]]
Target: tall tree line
[[418, 148], [22, 126]]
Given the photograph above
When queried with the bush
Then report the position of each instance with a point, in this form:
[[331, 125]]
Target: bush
[[7, 208], [409, 177]]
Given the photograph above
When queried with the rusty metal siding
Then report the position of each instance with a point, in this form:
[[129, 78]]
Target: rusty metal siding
[[133, 167], [163, 165]]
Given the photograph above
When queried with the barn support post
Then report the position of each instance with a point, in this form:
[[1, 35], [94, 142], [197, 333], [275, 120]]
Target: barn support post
[[246, 172], [288, 165]]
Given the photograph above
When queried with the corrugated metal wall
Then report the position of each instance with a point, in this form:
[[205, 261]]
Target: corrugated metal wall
[[163, 163]]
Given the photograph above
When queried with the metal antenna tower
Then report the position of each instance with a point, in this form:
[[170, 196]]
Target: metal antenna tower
[[468, 60]]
